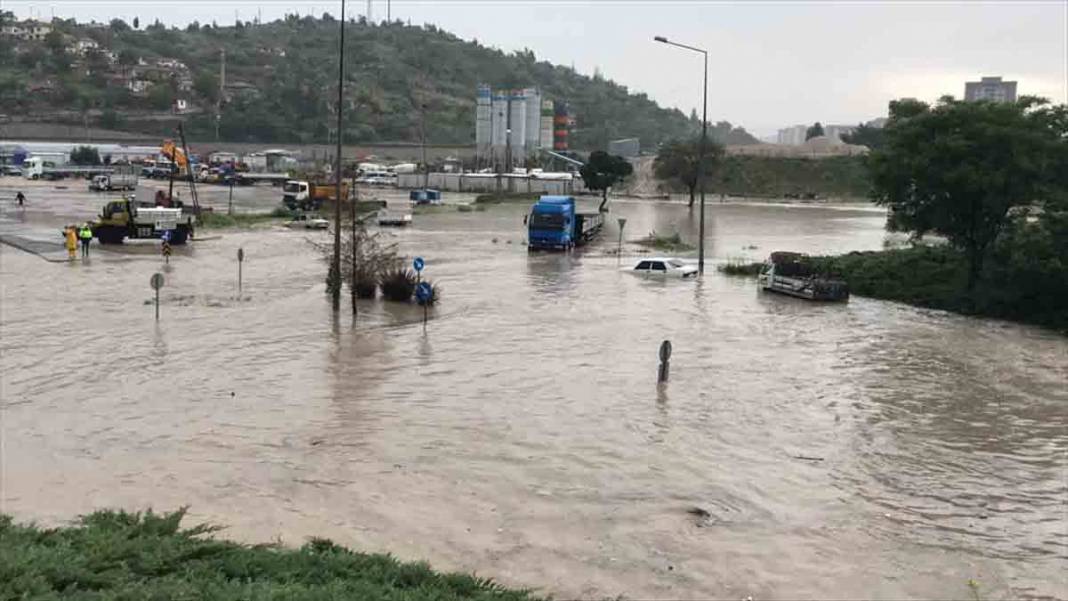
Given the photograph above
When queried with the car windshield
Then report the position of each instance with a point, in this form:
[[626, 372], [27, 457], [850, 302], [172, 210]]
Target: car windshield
[[675, 263], [547, 221], [291, 187]]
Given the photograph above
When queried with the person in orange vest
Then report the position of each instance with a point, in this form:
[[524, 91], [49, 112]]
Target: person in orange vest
[[72, 241]]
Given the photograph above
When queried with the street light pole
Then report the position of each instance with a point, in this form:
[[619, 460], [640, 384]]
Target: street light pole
[[334, 276], [700, 150]]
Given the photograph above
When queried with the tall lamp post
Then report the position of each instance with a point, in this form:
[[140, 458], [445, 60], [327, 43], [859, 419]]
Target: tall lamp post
[[700, 150], [334, 276]]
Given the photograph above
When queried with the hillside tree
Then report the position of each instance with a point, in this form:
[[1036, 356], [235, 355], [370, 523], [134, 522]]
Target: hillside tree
[[957, 169], [602, 171], [678, 161], [85, 155]]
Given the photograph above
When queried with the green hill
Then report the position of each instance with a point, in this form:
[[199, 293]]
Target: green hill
[[281, 83]]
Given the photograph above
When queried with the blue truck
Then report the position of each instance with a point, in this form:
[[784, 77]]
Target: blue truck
[[553, 223]]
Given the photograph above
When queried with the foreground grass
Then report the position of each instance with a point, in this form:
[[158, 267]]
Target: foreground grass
[[507, 197], [119, 555], [740, 268], [936, 277], [212, 219], [666, 242]]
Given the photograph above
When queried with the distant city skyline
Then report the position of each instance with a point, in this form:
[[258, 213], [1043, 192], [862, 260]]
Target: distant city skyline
[[772, 64]]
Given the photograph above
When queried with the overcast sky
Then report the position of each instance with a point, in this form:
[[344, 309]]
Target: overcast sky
[[772, 64]]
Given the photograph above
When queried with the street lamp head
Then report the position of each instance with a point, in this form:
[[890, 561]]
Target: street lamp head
[[661, 38]]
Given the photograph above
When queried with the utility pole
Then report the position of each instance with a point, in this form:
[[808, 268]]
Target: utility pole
[[426, 165], [222, 91], [389, 13], [334, 277]]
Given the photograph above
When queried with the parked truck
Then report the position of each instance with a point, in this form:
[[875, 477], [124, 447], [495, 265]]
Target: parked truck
[[122, 177], [121, 219], [553, 223], [309, 196], [39, 168]]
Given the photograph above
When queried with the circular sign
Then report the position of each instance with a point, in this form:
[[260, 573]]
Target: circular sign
[[156, 281], [240, 254], [423, 292], [418, 263], [166, 236], [665, 350]]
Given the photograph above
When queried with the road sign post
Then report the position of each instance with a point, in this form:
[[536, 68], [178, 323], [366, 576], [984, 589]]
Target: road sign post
[[165, 246], [156, 281], [622, 222], [418, 264], [240, 260], [424, 293]]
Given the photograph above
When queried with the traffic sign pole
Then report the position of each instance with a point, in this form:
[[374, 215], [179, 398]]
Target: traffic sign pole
[[156, 281]]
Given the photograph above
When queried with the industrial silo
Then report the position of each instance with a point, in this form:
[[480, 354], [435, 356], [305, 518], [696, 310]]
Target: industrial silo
[[545, 125], [484, 124], [561, 122]]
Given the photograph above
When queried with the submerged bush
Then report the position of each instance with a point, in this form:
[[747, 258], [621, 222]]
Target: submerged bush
[[398, 284]]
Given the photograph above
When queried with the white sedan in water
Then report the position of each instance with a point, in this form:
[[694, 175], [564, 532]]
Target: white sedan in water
[[660, 266]]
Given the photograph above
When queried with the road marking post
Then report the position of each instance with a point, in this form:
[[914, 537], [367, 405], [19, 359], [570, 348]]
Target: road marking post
[[665, 362], [240, 260]]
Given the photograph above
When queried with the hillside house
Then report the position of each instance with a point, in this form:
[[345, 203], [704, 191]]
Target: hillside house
[[26, 30]]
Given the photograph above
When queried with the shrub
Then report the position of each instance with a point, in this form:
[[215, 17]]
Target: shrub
[[398, 284]]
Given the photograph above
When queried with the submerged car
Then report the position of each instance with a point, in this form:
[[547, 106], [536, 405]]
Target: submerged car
[[662, 266], [309, 222]]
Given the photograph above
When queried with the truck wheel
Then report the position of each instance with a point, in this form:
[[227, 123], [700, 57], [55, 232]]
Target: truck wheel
[[109, 235], [34, 176], [180, 235]]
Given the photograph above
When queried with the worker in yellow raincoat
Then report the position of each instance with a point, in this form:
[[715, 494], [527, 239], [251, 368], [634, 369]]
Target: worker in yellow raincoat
[[72, 241]]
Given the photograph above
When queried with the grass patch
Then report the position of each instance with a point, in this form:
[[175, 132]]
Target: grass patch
[[668, 242], [936, 277], [212, 219], [117, 555], [433, 209], [507, 197], [743, 268]]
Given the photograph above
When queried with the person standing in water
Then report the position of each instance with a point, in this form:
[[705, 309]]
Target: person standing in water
[[72, 241], [20, 198], [85, 234]]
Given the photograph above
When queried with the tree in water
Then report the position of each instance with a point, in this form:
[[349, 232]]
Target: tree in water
[[677, 161], [602, 171], [958, 169]]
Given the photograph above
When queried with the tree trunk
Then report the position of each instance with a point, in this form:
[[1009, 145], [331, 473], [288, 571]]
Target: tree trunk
[[975, 265], [604, 200], [692, 188]]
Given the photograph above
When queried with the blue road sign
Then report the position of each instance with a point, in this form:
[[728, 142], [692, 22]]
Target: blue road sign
[[423, 292], [166, 236], [418, 263]]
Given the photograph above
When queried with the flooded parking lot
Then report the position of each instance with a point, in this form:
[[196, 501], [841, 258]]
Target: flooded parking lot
[[867, 449]]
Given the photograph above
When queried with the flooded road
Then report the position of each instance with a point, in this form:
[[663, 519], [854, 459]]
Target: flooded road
[[864, 450]]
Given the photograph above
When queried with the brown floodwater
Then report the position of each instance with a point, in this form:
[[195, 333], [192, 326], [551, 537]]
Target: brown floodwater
[[860, 450]]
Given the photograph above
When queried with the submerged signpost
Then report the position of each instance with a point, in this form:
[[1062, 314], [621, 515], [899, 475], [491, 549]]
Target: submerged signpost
[[240, 260], [156, 281], [423, 293]]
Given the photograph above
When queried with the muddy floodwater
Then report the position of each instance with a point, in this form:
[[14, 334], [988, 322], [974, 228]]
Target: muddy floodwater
[[860, 450]]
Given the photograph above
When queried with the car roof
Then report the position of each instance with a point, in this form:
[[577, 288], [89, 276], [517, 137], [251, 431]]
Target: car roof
[[661, 259]]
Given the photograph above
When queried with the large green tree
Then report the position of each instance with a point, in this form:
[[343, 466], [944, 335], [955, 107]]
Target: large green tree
[[957, 169], [678, 161], [602, 171], [815, 131], [865, 135]]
